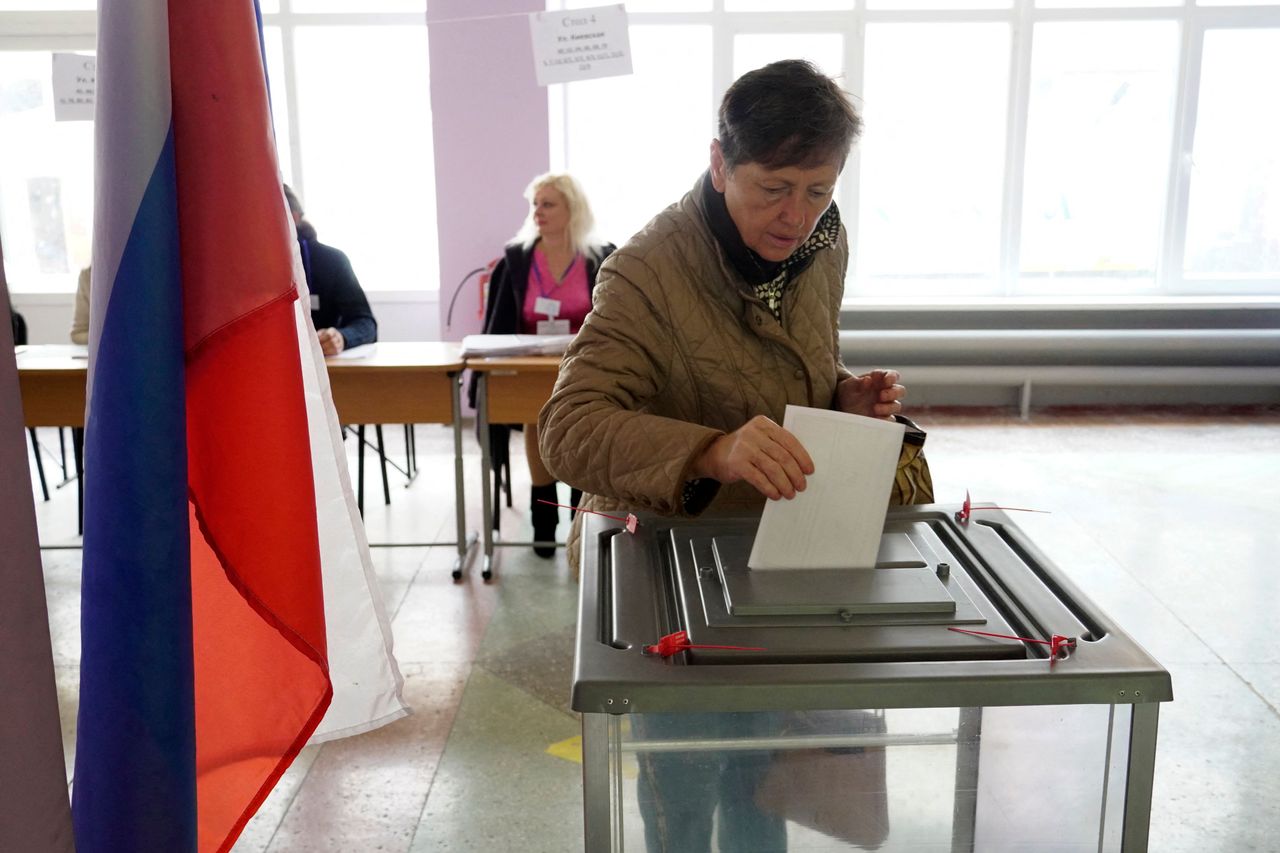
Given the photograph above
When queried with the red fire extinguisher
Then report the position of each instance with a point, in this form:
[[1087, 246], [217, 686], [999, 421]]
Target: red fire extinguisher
[[485, 273]]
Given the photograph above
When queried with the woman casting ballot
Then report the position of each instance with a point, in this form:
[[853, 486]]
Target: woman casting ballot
[[716, 315]]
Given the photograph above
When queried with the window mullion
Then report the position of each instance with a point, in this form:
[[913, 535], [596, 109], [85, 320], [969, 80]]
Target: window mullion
[[287, 30], [722, 33], [855, 52], [1169, 274], [47, 30], [1015, 147]]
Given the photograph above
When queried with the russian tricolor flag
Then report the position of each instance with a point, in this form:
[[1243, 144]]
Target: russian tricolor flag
[[229, 607]]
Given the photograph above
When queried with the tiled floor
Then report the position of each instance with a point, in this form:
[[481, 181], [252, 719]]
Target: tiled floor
[[1169, 521]]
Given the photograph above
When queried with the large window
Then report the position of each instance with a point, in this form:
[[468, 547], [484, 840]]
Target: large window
[[1012, 148], [1100, 120], [1233, 230], [46, 179], [358, 137], [350, 102], [932, 164], [616, 126]]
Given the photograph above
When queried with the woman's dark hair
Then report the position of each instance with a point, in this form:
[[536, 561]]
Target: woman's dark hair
[[787, 113]]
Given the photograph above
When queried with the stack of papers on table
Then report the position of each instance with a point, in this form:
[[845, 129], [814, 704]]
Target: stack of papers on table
[[499, 345]]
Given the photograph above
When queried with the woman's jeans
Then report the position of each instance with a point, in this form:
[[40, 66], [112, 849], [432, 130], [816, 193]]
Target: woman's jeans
[[680, 792]]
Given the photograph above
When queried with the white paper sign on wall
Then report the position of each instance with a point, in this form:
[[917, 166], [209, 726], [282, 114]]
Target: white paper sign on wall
[[580, 44], [75, 86]]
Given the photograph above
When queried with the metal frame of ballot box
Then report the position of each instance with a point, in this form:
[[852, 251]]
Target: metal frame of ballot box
[[866, 643]]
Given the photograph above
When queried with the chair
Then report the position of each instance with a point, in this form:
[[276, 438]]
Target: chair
[[361, 443], [410, 471], [500, 457]]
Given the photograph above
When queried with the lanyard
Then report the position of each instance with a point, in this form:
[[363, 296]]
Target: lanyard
[[537, 274]]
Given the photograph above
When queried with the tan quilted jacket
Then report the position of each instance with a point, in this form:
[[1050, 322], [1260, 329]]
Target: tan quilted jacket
[[677, 351]]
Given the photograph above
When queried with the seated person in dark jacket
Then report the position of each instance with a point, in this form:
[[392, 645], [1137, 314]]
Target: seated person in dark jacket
[[339, 308]]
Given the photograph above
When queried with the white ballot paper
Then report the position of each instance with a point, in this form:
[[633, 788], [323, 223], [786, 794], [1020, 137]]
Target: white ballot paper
[[836, 522]]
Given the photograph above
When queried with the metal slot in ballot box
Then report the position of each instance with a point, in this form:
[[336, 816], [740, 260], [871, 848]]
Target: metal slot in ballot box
[[845, 713]]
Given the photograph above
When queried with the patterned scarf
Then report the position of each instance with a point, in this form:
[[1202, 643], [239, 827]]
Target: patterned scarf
[[824, 236]]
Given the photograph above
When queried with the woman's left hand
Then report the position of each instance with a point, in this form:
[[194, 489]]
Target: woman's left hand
[[874, 395]]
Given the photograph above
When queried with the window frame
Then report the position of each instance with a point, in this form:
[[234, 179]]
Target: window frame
[[71, 31], [288, 22], [1193, 20], [77, 31]]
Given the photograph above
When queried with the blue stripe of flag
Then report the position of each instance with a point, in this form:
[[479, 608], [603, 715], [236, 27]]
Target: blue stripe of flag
[[134, 786]]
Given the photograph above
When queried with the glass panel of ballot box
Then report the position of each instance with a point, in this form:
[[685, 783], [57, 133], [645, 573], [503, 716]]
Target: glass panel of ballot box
[[856, 709]]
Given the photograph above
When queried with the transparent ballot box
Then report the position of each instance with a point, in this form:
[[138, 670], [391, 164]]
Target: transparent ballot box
[[825, 710]]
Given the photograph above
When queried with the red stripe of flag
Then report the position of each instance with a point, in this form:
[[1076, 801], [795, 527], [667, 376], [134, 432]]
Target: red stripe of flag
[[261, 671]]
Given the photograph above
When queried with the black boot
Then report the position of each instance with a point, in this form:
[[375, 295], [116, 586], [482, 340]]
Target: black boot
[[575, 498], [545, 518]]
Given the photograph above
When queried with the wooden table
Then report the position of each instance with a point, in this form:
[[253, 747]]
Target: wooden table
[[509, 390], [52, 381], [398, 382], [407, 382], [395, 382]]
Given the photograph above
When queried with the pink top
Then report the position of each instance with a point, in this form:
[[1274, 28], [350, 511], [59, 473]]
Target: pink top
[[570, 290]]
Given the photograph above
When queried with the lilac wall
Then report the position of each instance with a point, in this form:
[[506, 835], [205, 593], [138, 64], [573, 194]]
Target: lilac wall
[[489, 119]]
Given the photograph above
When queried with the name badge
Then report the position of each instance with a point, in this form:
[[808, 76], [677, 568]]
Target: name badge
[[315, 302], [549, 307], [553, 327]]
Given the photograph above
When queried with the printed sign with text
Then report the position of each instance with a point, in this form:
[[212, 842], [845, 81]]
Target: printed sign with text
[[580, 44], [75, 86]]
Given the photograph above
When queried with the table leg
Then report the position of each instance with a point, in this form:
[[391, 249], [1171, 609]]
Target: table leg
[[411, 453], [382, 458], [464, 542], [1141, 776], [964, 815], [77, 453], [597, 810], [360, 469], [62, 452], [486, 471]]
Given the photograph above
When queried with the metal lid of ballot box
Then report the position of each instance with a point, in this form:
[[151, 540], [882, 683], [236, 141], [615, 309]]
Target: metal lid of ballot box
[[873, 637]]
